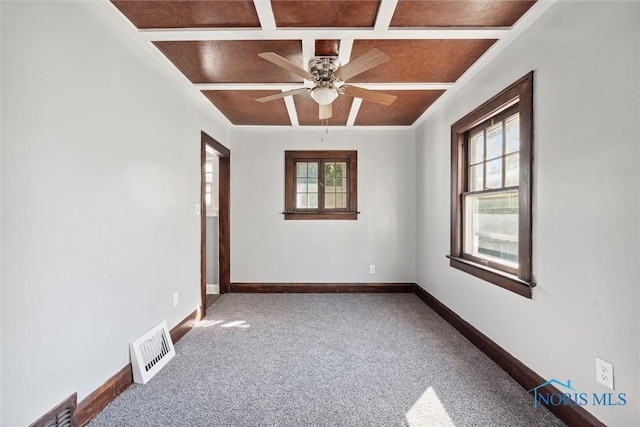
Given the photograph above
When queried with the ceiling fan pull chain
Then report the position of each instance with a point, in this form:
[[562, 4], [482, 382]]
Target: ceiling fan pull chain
[[326, 130]]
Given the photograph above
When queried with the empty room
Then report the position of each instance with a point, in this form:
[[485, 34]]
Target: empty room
[[320, 213]]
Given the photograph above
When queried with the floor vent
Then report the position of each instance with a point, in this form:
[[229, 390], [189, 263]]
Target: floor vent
[[61, 415], [150, 353]]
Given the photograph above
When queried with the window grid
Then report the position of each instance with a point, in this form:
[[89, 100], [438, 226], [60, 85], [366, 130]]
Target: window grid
[[498, 210], [505, 155], [321, 185]]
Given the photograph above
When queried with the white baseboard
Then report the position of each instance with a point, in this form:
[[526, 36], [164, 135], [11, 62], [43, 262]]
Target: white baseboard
[[213, 289]]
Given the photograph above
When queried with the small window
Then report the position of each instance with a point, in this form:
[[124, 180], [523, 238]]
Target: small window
[[210, 187], [491, 189], [321, 185]]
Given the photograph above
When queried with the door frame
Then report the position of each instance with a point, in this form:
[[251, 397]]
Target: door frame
[[224, 229]]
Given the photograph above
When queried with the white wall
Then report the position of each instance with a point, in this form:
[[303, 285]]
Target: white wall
[[1, 315], [586, 201], [100, 180], [266, 248]]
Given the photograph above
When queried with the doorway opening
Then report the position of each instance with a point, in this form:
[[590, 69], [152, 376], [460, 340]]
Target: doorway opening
[[214, 219]]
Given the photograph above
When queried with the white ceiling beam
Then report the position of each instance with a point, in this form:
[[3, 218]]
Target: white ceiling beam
[[308, 50], [345, 50], [353, 113], [385, 13], [290, 86], [248, 86], [201, 34], [265, 15], [291, 109]]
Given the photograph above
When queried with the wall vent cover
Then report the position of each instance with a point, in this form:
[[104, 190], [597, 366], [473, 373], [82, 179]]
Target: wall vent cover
[[61, 415], [151, 352]]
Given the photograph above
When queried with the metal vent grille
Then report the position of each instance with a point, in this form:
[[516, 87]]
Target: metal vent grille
[[151, 352], [63, 418], [61, 415]]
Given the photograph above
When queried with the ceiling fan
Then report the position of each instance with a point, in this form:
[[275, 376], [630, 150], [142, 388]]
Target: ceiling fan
[[328, 79]]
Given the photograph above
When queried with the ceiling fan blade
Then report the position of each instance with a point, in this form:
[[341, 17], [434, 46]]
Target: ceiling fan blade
[[361, 64], [274, 58], [283, 94], [325, 111], [369, 95]]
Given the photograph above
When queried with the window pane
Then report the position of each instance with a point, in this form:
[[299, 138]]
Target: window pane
[[476, 148], [207, 199], [313, 185], [341, 169], [475, 177], [208, 166], [494, 141], [494, 174], [491, 226], [302, 169], [330, 201], [301, 201], [329, 175], [313, 201], [512, 170], [313, 169], [341, 185], [341, 200], [513, 133], [208, 177], [302, 185]]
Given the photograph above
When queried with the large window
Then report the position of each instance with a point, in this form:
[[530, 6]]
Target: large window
[[321, 185], [491, 189]]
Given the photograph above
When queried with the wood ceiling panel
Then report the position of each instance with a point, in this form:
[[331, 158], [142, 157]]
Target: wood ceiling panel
[[459, 13], [307, 110], [232, 61], [241, 107], [414, 61], [406, 109], [325, 13], [327, 47], [188, 13]]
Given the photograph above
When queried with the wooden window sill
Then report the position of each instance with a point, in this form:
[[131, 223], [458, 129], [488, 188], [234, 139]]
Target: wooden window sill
[[505, 280], [321, 215]]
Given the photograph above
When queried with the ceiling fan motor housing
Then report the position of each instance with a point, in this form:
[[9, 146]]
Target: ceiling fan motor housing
[[323, 68]]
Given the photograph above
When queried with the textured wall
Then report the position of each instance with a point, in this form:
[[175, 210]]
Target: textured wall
[[266, 248], [100, 180], [585, 56]]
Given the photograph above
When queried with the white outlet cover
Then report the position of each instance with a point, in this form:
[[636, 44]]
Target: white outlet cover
[[175, 299], [604, 372]]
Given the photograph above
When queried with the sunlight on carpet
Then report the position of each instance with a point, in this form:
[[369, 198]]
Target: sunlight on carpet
[[242, 324], [428, 411]]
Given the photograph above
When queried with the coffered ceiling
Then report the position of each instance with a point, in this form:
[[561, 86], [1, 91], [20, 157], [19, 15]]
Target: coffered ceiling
[[215, 45]]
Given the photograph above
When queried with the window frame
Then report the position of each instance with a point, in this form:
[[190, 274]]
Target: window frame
[[291, 212], [520, 280]]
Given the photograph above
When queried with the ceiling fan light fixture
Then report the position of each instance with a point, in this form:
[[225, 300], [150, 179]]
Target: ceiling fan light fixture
[[324, 95]]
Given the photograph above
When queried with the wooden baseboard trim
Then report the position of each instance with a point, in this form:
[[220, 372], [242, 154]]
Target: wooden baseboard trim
[[102, 396], [95, 402], [571, 415], [185, 326], [324, 288]]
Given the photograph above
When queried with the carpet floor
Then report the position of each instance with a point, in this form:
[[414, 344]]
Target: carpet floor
[[325, 360]]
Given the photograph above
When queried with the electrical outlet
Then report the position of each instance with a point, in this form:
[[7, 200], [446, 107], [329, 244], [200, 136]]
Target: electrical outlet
[[372, 269], [175, 299], [604, 373]]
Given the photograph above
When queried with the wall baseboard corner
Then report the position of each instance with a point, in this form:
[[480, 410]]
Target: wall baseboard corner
[[525, 376], [95, 402]]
